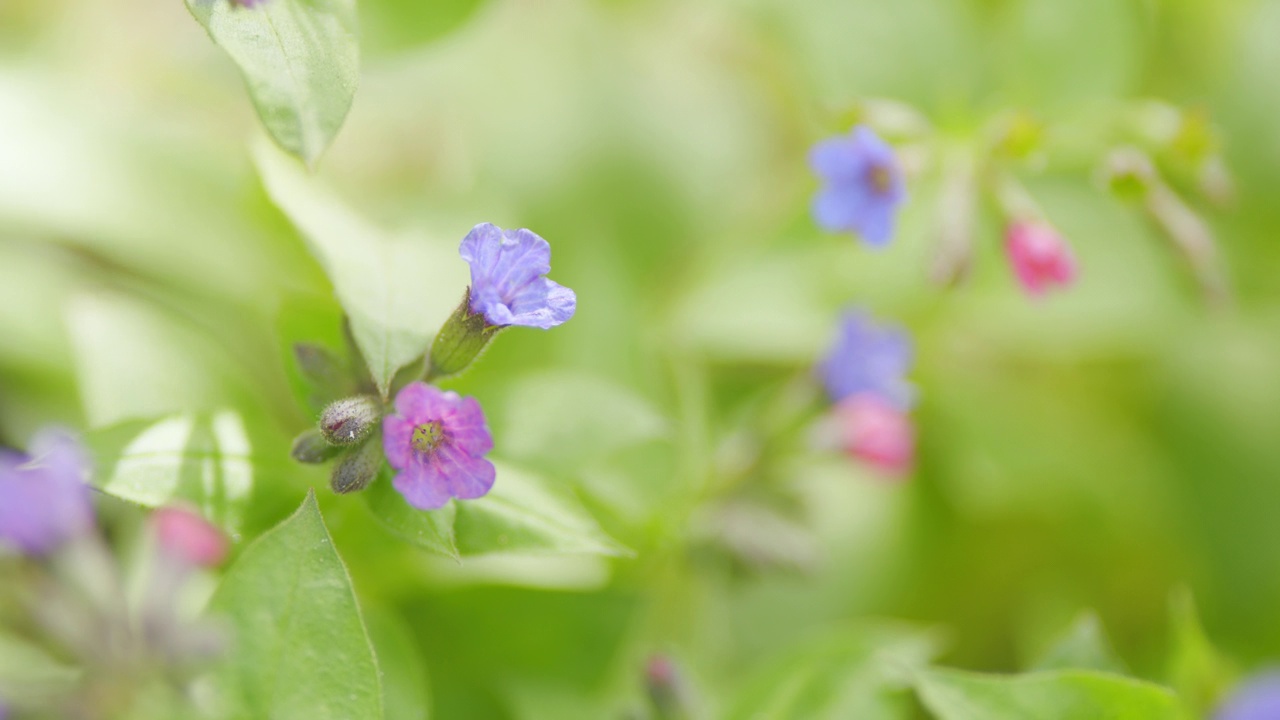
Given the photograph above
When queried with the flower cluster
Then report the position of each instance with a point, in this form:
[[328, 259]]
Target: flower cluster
[[865, 376], [436, 441], [121, 641], [863, 187]]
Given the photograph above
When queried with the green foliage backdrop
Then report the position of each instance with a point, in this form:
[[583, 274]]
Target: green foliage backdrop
[[1112, 448]]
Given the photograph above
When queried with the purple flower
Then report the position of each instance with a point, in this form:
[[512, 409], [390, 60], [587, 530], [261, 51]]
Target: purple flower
[[863, 185], [507, 283], [868, 358], [43, 498], [437, 442], [1256, 699]]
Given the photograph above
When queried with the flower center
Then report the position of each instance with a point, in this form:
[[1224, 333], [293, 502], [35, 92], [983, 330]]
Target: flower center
[[427, 437], [881, 178]]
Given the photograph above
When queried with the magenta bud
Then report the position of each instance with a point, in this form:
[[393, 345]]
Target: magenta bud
[[186, 535], [1041, 259], [876, 432]]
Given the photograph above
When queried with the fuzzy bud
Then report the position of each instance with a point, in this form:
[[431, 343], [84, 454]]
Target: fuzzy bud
[[350, 420], [357, 469], [310, 447]]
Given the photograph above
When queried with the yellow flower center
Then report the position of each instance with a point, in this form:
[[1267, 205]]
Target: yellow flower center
[[427, 437]]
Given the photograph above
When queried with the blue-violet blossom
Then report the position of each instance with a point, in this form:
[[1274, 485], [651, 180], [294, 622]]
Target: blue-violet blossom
[[437, 441], [507, 283], [44, 500], [1256, 699], [868, 358], [863, 185]]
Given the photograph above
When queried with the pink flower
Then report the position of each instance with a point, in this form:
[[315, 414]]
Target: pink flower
[[876, 432], [1040, 257], [437, 441], [188, 537]]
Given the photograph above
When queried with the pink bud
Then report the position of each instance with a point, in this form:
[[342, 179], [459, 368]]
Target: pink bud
[[877, 432], [189, 537], [1040, 257]]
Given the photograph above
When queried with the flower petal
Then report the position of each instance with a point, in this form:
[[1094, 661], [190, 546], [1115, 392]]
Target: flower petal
[[837, 160], [467, 428], [467, 477], [418, 403], [839, 208], [876, 224], [423, 486], [397, 441]]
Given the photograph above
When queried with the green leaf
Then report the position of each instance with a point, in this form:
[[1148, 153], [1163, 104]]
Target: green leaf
[[856, 672], [396, 290], [134, 361], [300, 61], [1197, 671], [203, 460], [429, 529], [28, 676], [525, 513], [1056, 695], [301, 650], [1083, 647], [404, 674], [592, 417]]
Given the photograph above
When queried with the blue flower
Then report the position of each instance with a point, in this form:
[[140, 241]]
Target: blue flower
[[868, 358], [863, 185], [1257, 699], [507, 283], [43, 498]]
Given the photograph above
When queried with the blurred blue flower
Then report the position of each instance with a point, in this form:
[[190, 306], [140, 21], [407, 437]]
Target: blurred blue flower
[[863, 185], [1258, 698], [507, 283], [43, 497], [868, 358]]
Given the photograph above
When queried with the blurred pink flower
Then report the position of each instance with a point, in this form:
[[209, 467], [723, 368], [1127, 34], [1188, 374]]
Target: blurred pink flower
[[1041, 258], [876, 432], [188, 537]]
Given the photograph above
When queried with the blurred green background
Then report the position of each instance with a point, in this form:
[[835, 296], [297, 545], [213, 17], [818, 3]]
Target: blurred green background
[[1096, 450]]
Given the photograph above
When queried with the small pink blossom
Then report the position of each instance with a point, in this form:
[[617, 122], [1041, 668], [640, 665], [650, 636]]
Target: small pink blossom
[[187, 536], [876, 432], [437, 442], [1041, 258]]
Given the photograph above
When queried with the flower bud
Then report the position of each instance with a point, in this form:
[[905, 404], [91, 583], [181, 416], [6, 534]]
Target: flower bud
[[877, 433], [1039, 255], [463, 337], [189, 537], [358, 468], [310, 447], [667, 691], [327, 376], [350, 420]]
